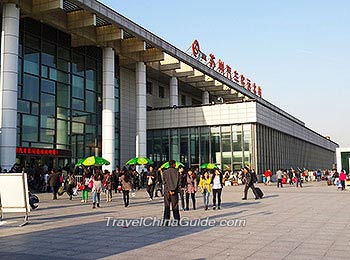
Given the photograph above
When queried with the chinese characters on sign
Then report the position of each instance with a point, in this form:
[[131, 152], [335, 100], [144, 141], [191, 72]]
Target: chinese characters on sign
[[225, 70]]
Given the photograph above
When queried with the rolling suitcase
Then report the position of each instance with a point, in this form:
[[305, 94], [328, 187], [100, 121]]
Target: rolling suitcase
[[259, 191]]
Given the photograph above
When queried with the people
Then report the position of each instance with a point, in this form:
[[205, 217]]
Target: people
[[96, 188], [159, 183], [342, 179], [191, 189], [217, 181], [85, 186], [109, 185], [171, 181], [279, 176], [151, 181], [268, 174], [183, 184], [70, 184], [54, 181], [204, 184], [248, 181], [298, 177], [126, 182]]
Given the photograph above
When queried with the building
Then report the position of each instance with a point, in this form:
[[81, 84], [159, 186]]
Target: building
[[343, 159], [77, 78]]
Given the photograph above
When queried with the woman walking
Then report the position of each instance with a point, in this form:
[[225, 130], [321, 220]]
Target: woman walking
[[96, 189], [204, 184], [191, 189], [109, 185], [85, 186], [217, 188], [126, 182]]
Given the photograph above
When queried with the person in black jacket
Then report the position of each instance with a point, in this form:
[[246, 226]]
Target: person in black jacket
[[151, 181], [216, 181], [159, 183], [183, 184], [54, 181], [171, 181], [249, 183]]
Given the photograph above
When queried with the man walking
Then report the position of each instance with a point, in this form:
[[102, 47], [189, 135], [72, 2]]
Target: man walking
[[249, 183], [279, 175], [171, 181]]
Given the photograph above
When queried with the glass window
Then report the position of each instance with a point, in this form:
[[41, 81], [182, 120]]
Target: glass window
[[194, 146], [63, 95], [247, 144], [47, 104], [204, 142], [77, 104], [23, 106], [149, 87], [226, 147], [78, 64], [183, 100], [77, 128], [63, 53], [31, 61], [32, 42], [63, 77], [48, 54], [78, 87], [161, 92], [63, 113], [63, 65], [237, 150], [90, 101], [62, 132], [215, 145], [20, 72], [91, 80], [49, 33], [184, 146], [157, 145], [35, 108], [165, 145], [47, 135], [44, 71], [30, 87], [48, 86], [30, 128]]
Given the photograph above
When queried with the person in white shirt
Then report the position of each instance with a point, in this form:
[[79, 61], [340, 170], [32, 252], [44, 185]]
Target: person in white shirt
[[216, 181]]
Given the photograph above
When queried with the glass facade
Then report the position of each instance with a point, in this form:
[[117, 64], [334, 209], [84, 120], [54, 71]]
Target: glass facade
[[230, 146], [60, 93]]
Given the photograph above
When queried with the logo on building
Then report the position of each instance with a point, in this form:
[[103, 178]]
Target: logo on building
[[225, 69]]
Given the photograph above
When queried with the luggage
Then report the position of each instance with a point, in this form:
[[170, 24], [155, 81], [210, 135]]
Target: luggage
[[60, 191], [33, 198], [259, 191], [284, 180]]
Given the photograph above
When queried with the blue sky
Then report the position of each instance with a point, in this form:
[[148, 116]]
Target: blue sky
[[298, 51]]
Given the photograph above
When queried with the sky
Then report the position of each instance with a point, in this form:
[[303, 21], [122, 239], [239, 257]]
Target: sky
[[297, 50]]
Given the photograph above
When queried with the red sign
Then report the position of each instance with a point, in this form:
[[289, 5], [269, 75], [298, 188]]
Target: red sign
[[36, 151], [239, 79]]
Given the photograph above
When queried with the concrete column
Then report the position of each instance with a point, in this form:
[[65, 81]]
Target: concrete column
[[8, 85], [141, 108], [205, 97], [108, 106], [174, 92]]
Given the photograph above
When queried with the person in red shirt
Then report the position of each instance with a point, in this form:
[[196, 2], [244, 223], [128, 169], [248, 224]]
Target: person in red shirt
[[342, 178], [268, 174]]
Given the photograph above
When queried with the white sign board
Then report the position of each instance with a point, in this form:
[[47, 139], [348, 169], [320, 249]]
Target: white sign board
[[14, 193]]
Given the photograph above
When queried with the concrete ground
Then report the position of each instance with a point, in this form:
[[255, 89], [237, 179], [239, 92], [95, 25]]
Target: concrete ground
[[289, 223]]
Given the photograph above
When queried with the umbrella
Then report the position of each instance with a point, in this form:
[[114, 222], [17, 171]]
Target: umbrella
[[92, 161], [166, 165], [139, 161], [209, 166]]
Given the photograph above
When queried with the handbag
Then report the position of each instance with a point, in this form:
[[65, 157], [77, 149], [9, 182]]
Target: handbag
[[60, 191], [91, 184]]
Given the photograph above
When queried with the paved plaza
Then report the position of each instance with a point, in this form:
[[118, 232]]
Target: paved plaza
[[289, 223]]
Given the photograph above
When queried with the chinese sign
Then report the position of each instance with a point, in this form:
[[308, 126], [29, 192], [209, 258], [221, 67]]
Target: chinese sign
[[225, 69]]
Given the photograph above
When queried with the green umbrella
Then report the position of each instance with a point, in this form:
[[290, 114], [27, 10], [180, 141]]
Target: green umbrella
[[166, 165], [209, 166], [92, 161], [139, 161]]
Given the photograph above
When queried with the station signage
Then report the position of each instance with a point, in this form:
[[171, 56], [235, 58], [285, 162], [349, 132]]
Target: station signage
[[42, 151], [225, 69]]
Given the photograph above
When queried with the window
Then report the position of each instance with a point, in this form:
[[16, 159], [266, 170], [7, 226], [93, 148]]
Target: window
[[30, 128], [183, 100], [161, 92], [78, 87], [149, 87], [31, 88]]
